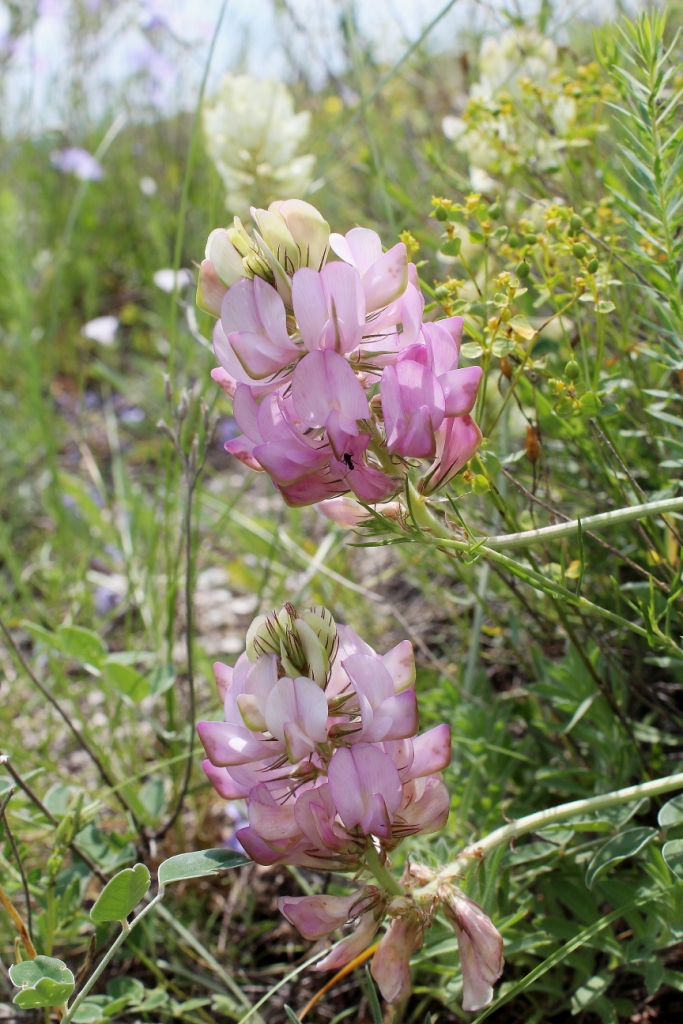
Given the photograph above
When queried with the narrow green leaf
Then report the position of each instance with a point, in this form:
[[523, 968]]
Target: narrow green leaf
[[291, 1016], [618, 848], [199, 864], [121, 894], [373, 998]]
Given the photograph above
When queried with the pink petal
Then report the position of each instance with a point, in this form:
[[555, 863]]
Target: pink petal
[[400, 663], [223, 676], [272, 314], [442, 348], [259, 356], [460, 389], [309, 490], [344, 511], [457, 441], [256, 848], [480, 946], [345, 304], [224, 380], [228, 745], [386, 279], [310, 306], [239, 311], [431, 753], [365, 247], [426, 804], [301, 703], [454, 326], [245, 410], [391, 962], [370, 677], [223, 782], [370, 485], [362, 781], [242, 448], [210, 289], [395, 719], [323, 382], [273, 822], [287, 462], [316, 916], [352, 946]]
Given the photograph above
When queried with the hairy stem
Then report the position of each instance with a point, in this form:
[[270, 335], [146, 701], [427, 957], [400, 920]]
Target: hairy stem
[[541, 819], [381, 873]]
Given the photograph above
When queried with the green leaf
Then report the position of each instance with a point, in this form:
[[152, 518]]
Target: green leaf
[[83, 645], [121, 894], [520, 325], [589, 992], [128, 988], [503, 346], [604, 306], [471, 350], [161, 679], [452, 247], [39, 632], [156, 998], [127, 680], [654, 975], [618, 848], [89, 1013], [291, 1016], [671, 813], [152, 796], [672, 852], [44, 981], [199, 864]]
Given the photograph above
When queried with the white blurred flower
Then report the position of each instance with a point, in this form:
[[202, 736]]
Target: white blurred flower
[[500, 130], [167, 279], [148, 186], [102, 330], [252, 134]]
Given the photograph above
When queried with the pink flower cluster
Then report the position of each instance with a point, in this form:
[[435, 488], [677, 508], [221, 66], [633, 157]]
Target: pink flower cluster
[[320, 736], [337, 383]]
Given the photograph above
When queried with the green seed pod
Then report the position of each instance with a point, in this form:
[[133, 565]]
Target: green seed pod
[[579, 250], [513, 240], [441, 213], [441, 293], [495, 210], [575, 223], [523, 269], [531, 239], [592, 266], [480, 484], [572, 370]]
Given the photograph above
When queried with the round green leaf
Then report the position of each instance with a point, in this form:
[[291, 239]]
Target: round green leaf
[[671, 813], [82, 645], [121, 894], [673, 855], [126, 988], [199, 864], [127, 680], [89, 1013], [44, 981], [618, 848]]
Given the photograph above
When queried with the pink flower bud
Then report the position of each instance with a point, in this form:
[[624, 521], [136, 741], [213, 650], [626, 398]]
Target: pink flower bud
[[391, 963], [316, 916], [480, 946]]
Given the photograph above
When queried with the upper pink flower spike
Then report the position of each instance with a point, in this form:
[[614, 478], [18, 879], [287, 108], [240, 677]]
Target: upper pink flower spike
[[326, 393], [365, 787]]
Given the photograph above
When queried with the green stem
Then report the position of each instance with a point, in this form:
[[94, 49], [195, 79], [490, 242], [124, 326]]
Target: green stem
[[604, 520], [107, 958], [383, 876], [541, 819]]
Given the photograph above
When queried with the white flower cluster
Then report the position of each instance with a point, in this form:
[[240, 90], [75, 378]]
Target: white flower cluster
[[501, 130], [252, 134]]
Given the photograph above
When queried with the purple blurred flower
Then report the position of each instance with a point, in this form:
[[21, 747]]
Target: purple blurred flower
[[78, 162]]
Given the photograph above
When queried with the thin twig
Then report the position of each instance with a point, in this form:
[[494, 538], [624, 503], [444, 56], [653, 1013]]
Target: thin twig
[[106, 777], [34, 798], [20, 865]]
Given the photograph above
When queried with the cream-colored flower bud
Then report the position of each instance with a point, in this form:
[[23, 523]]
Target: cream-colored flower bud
[[251, 712], [226, 259], [323, 625], [315, 653]]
